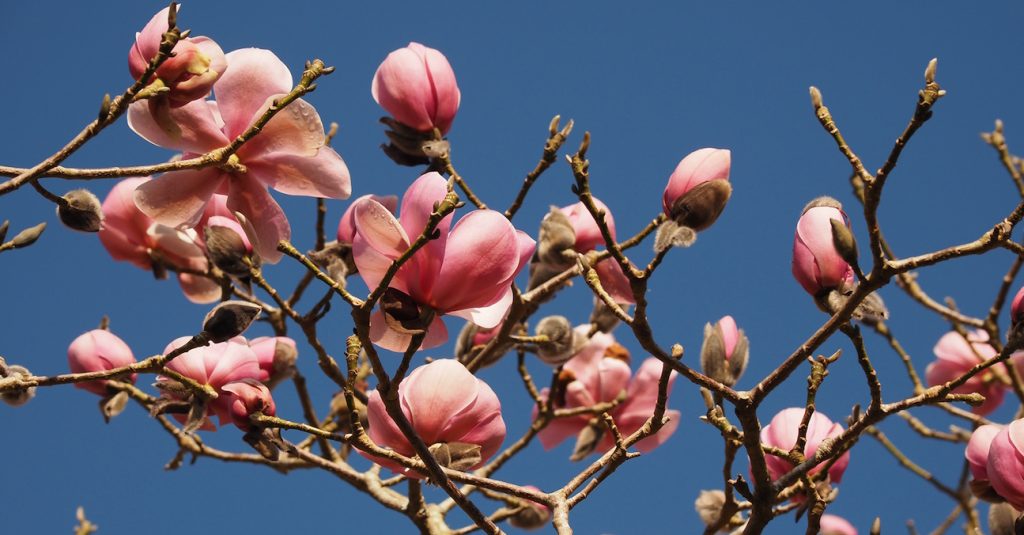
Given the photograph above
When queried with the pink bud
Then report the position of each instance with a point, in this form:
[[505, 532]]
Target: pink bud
[[276, 356], [245, 398], [1005, 468], [99, 350], [1017, 308], [699, 210], [835, 525], [956, 357], [588, 235], [416, 85], [189, 74], [978, 448], [446, 405], [817, 265], [783, 431]]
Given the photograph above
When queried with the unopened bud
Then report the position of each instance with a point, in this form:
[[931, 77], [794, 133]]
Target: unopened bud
[[403, 314], [725, 352], [1001, 519], [844, 241], [3, 230], [335, 259], [104, 107], [230, 319], [587, 441], [700, 207], [602, 316], [815, 97], [822, 201], [671, 234], [709, 505], [82, 211], [533, 516], [563, 341], [228, 246], [28, 236], [472, 338], [17, 398], [929, 71], [556, 236], [456, 455]]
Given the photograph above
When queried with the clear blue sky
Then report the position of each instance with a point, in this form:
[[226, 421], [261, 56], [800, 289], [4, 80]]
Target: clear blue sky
[[651, 83]]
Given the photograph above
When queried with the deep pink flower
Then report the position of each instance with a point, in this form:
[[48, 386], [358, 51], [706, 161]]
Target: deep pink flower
[[1005, 466], [783, 431], [467, 271], [977, 450], [131, 236], [189, 74], [216, 365], [817, 265], [956, 357], [99, 350], [1017, 307], [416, 85], [835, 525], [446, 404], [597, 377], [288, 155], [347, 224], [245, 398]]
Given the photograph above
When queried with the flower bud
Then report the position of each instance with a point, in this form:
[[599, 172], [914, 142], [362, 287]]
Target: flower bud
[[1002, 519], [17, 398], [99, 350], [845, 243], [709, 505], [277, 356], [472, 338], [1017, 307], [27, 237], [3, 230], [456, 455], [416, 85], [723, 357], [563, 341], [230, 319], [82, 211], [817, 265], [602, 316], [533, 516], [556, 236], [246, 398], [699, 188], [835, 525], [228, 246]]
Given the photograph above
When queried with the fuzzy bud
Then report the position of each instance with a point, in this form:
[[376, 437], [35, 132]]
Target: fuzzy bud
[[456, 455], [533, 516], [725, 352], [228, 246], [17, 398], [28, 236], [563, 341], [699, 188], [556, 236], [230, 319], [846, 244], [82, 211], [709, 505], [1002, 518]]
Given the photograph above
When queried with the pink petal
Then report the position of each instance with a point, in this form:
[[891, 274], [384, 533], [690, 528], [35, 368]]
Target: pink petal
[[323, 174], [815, 232], [383, 430], [614, 281], [482, 254], [417, 205], [488, 317], [179, 197], [295, 129], [199, 290], [402, 86], [977, 450], [252, 199], [435, 393], [254, 76], [446, 92], [189, 128], [347, 225], [387, 338], [730, 333], [588, 235]]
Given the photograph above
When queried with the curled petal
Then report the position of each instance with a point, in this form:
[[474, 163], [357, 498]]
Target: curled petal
[[255, 75], [322, 175], [193, 128], [252, 199], [178, 198]]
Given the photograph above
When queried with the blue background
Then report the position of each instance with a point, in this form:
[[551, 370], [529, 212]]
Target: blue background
[[651, 83]]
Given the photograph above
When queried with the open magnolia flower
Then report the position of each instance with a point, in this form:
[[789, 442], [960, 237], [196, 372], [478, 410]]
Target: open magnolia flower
[[131, 236], [955, 357], [467, 271], [288, 155]]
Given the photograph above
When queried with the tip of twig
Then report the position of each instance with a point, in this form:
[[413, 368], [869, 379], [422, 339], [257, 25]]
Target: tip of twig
[[553, 127], [929, 71], [815, 96], [172, 15]]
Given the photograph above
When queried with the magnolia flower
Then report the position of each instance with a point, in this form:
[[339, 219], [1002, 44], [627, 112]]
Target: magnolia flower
[[835, 525], [456, 414], [977, 451], [723, 356], [416, 85], [131, 236], [783, 431], [698, 189], [216, 365], [599, 373], [1005, 467], [245, 398], [288, 155], [817, 265], [955, 357], [347, 223], [467, 271], [189, 74], [276, 356], [1017, 307], [99, 350]]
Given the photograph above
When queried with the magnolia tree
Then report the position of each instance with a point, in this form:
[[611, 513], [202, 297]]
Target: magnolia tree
[[236, 125]]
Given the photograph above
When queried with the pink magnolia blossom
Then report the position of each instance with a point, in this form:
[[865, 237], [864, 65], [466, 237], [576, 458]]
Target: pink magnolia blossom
[[725, 351], [835, 525], [955, 357], [446, 404], [216, 365], [416, 85], [1005, 466], [977, 450], [266, 349], [589, 238], [245, 398], [467, 271], [347, 224], [701, 165], [189, 74], [99, 350], [783, 431], [288, 155], [817, 265], [1017, 307], [597, 377], [131, 236]]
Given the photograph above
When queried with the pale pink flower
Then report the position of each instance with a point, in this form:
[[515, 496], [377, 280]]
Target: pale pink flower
[[131, 236], [978, 448], [783, 431], [445, 404], [189, 74], [416, 85], [835, 525], [347, 224], [955, 357], [817, 265], [216, 365], [1005, 466], [99, 350], [288, 155], [266, 349], [245, 398], [589, 238], [467, 271]]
